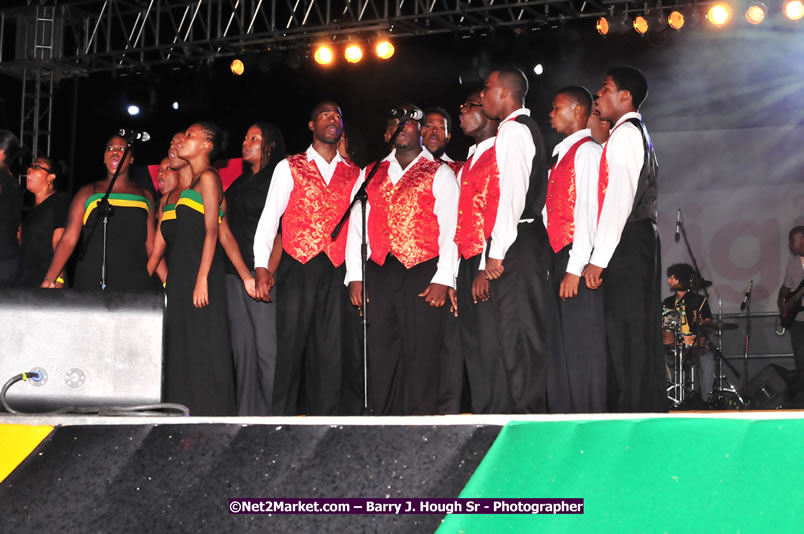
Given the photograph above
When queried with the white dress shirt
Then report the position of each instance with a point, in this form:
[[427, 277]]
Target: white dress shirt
[[277, 201], [445, 191], [587, 174], [515, 153], [625, 154], [475, 151]]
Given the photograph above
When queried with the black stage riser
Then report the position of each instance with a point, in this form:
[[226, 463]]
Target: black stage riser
[[178, 478]]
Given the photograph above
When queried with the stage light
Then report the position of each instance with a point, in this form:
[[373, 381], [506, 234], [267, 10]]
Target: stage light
[[719, 14], [133, 110], [756, 13], [175, 105], [793, 9], [237, 67], [675, 20], [602, 26], [611, 24], [353, 53], [538, 70], [323, 55], [641, 25], [384, 49]]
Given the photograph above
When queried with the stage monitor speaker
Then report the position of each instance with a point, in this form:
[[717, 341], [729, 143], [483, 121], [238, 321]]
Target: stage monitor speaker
[[766, 389], [92, 348]]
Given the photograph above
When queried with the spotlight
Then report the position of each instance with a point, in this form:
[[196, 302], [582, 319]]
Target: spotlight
[[538, 70], [175, 105], [353, 53], [133, 110], [611, 24], [323, 55], [793, 9], [602, 26], [675, 20], [756, 13], [384, 49], [237, 67], [641, 25], [719, 14]]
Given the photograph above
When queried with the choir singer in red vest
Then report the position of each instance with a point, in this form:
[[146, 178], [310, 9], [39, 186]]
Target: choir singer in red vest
[[570, 215], [519, 259], [479, 180], [627, 246], [310, 192], [411, 213]]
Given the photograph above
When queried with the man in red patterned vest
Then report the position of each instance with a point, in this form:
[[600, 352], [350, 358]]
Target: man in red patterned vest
[[570, 215], [412, 207], [310, 192], [627, 247], [479, 181], [519, 258], [436, 133]]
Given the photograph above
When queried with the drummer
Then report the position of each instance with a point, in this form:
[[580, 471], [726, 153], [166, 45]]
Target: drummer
[[692, 310]]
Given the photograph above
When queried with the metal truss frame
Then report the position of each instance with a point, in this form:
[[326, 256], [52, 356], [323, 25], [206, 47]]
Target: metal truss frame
[[106, 35]]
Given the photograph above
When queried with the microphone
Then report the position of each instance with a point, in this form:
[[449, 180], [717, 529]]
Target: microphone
[[407, 114], [747, 295], [134, 134], [678, 225]]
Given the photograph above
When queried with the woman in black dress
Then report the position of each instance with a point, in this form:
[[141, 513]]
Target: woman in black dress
[[44, 224], [198, 362], [253, 322], [130, 230], [11, 274]]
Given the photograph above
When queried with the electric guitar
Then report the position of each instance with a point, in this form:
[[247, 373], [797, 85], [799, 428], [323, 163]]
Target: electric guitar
[[791, 306]]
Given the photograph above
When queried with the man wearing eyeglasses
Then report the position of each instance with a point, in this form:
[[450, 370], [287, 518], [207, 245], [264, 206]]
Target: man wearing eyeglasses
[[479, 180]]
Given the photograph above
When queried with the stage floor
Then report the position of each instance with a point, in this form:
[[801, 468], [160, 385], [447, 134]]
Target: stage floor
[[680, 472]]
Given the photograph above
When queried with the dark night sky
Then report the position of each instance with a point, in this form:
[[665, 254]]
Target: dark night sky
[[700, 79]]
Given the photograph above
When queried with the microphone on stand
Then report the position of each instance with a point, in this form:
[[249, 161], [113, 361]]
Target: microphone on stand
[[747, 295], [678, 225], [407, 114], [134, 134]]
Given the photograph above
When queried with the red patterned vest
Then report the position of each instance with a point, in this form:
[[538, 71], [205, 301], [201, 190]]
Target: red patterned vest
[[401, 219], [455, 166], [603, 182], [477, 207], [314, 209], [561, 196]]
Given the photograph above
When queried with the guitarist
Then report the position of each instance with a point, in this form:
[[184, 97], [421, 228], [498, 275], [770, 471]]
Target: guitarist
[[791, 295]]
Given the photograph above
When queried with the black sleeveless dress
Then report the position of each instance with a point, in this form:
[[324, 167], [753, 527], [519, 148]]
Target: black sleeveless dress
[[126, 257], [199, 371]]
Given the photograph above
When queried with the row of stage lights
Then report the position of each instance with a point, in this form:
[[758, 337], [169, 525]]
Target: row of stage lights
[[718, 14], [324, 54]]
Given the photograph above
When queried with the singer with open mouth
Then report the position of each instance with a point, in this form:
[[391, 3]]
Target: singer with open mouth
[[129, 232]]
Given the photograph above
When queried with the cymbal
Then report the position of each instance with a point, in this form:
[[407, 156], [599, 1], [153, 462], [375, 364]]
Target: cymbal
[[702, 284], [717, 325]]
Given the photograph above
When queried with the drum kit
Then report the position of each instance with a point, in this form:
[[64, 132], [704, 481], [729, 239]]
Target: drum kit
[[686, 347]]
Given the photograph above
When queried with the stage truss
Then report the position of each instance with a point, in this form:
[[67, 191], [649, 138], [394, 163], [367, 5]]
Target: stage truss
[[125, 34]]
